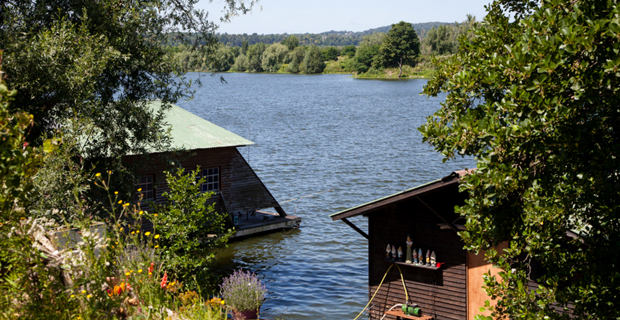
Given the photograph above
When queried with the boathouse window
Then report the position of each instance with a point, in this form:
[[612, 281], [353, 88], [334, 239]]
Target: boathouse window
[[212, 179], [147, 185]]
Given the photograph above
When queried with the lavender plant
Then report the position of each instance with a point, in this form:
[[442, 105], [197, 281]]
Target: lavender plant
[[243, 291]]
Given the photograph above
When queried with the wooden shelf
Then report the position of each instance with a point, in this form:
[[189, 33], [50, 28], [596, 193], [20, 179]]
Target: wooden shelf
[[412, 265], [400, 313]]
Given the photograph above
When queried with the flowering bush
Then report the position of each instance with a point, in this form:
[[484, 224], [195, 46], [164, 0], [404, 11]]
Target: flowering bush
[[243, 291]]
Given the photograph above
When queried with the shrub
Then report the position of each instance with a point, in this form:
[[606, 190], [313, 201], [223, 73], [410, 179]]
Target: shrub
[[243, 291]]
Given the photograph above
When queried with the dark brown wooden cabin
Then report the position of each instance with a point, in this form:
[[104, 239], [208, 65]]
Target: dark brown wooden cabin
[[426, 213], [200, 143]]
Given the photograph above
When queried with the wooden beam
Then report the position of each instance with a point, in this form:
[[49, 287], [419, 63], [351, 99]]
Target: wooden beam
[[355, 228], [280, 211], [437, 214]]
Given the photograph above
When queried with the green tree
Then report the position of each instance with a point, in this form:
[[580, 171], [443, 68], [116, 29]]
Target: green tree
[[296, 60], [534, 96], [365, 56], [101, 61], [291, 42], [273, 57], [244, 47], [255, 55], [222, 60], [313, 61], [190, 229], [349, 51], [441, 40], [400, 46], [330, 53], [241, 63]]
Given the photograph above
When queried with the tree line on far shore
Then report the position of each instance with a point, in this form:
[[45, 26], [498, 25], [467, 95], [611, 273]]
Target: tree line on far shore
[[374, 53]]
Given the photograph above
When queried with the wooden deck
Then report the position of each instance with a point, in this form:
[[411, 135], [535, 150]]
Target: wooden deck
[[263, 222]]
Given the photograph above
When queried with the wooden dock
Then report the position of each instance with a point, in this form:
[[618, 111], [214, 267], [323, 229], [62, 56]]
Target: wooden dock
[[263, 222]]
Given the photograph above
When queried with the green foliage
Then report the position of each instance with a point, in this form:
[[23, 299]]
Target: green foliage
[[273, 57], [330, 53], [223, 59], [244, 47], [441, 41], [349, 51], [18, 161], [241, 63], [296, 60], [190, 229], [313, 61], [374, 39], [400, 46], [534, 97], [365, 57], [291, 42], [444, 39], [255, 55], [100, 61]]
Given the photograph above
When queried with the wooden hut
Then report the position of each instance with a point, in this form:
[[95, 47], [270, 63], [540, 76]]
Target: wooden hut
[[238, 190], [425, 213]]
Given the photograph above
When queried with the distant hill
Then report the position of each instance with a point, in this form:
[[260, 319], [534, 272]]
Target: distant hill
[[328, 38], [420, 28]]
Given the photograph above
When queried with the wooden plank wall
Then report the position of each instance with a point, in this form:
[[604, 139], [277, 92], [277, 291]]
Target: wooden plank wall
[[240, 186], [440, 293]]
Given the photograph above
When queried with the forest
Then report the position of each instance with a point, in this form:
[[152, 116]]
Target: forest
[[330, 52]]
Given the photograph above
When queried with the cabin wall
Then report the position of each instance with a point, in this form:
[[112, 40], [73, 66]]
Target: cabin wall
[[240, 187], [476, 295], [441, 293]]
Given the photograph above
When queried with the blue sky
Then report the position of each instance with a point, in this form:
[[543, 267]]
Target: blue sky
[[315, 16]]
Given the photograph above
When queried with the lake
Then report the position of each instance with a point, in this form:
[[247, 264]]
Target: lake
[[314, 133]]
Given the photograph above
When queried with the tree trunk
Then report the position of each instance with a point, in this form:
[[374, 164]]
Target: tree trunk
[[400, 67]]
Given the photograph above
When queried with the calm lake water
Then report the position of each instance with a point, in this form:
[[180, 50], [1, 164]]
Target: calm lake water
[[314, 133]]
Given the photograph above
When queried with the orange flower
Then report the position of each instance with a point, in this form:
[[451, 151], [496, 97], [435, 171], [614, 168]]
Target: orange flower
[[164, 280]]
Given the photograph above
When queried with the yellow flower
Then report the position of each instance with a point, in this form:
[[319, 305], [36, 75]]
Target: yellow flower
[[83, 291], [155, 215], [133, 232], [88, 296], [98, 175], [139, 189], [156, 236], [141, 212], [120, 201], [139, 270], [72, 296], [110, 171], [127, 274], [138, 231], [23, 218], [157, 246], [121, 229], [130, 271], [148, 233], [115, 192], [223, 302], [116, 242]]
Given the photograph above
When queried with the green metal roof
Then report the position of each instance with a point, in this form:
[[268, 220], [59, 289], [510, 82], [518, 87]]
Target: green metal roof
[[189, 131]]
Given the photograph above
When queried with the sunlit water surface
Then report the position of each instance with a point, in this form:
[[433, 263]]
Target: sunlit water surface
[[313, 133]]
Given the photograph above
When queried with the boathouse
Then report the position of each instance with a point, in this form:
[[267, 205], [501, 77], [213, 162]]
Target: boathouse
[[450, 290], [238, 190]]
